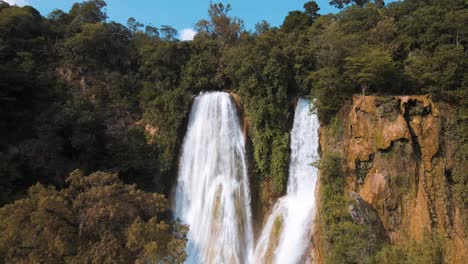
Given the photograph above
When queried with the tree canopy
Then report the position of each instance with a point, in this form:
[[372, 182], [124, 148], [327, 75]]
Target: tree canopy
[[96, 219]]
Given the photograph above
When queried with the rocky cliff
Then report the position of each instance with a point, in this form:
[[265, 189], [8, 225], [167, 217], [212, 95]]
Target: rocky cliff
[[399, 157]]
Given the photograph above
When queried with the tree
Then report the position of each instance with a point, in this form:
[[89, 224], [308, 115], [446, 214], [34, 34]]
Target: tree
[[19, 24], [96, 219], [330, 45], [379, 3], [205, 70], [384, 32], [262, 27], [263, 74], [151, 31], [296, 21], [133, 25], [221, 26], [90, 45], [456, 22], [3, 5], [370, 66], [168, 32], [324, 82], [87, 12], [357, 20], [311, 8], [57, 15], [98, 43], [442, 72]]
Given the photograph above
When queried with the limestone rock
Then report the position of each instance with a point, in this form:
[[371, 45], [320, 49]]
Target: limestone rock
[[397, 159]]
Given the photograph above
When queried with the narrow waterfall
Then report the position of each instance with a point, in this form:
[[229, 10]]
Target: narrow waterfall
[[212, 194], [286, 234]]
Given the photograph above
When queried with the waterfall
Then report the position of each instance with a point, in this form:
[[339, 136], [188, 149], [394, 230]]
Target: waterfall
[[286, 234], [212, 194]]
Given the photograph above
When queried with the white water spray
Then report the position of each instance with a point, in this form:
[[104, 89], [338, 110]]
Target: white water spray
[[286, 234], [212, 194]]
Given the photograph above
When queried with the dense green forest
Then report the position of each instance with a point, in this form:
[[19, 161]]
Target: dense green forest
[[79, 92]]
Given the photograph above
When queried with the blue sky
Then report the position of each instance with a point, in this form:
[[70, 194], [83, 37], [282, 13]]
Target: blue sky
[[183, 14]]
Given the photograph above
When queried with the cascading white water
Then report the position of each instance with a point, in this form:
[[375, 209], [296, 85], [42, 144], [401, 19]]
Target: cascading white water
[[212, 194], [286, 234]]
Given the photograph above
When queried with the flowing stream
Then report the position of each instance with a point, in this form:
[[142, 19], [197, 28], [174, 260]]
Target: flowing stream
[[286, 234], [212, 194]]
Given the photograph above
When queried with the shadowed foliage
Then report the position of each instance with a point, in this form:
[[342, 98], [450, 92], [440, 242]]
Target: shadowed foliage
[[96, 219]]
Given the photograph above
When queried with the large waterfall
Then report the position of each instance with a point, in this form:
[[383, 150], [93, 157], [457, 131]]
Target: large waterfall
[[286, 234], [212, 194]]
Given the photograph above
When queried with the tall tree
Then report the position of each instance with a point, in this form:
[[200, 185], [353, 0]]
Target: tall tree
[[221, 26], [311, 8], [168, 32], [133, 25], [262, 27], [88, 12], [151, 31], [370, 66]]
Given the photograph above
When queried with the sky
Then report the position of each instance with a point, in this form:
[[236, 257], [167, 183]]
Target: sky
[[184, 14]]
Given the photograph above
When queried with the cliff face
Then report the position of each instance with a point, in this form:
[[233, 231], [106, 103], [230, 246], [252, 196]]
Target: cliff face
[[399, 155]]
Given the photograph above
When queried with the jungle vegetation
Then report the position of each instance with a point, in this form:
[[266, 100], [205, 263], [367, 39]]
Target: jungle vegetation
[[78, 91]]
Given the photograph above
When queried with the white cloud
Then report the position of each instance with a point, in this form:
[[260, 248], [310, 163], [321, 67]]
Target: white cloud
[[17, 2], [187, 34]]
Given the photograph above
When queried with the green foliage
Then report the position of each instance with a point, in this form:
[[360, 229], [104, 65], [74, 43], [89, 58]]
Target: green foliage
[[430, 250], [97, 43], [311, 8], [75, 88], [370, 67], [359, 20], [167, 112], [336, 127], [352, 244], [332, 183], [164, 102], [223, 28], [88, 12], [343, 3], [279, 162], [264, 79], [73, 131], [262, 27], [296, 21], [327, 81], [77, 66], [22, 40], [346, 240], [133, 25], [442, 72], [201, 73], [138, 161], [96, 219], [19, 23], [168, 32], [458, 178]]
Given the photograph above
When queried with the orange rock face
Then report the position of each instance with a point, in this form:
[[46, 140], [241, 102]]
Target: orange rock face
[[374, 185], [397, 158]]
